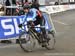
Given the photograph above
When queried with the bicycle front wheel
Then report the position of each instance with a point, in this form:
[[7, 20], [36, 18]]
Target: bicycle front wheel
[[27, 41]]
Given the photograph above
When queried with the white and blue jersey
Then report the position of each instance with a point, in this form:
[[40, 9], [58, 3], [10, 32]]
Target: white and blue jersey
[[33, 13]]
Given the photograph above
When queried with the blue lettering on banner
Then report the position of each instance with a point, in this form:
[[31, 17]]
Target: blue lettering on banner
[[9, 26]]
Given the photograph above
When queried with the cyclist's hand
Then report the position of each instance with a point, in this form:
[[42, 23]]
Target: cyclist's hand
[[31, 23], [20, 25]]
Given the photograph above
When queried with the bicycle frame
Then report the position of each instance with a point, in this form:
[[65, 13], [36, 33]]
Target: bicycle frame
[[31, 30]]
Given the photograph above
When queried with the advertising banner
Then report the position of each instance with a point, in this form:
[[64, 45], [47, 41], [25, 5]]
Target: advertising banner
[[9, 26]]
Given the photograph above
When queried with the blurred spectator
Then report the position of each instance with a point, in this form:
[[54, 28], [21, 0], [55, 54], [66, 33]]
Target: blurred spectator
[[13, 9], [56, 3], [1, 1], [2, 10], [35, 4], [8, 10], [14, 2], [20, 12]]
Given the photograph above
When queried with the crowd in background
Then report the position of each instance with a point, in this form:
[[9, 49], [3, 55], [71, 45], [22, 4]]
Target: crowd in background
[[12, 11], [7, 11]]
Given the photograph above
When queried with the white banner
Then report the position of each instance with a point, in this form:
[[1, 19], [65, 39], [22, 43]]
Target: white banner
[[57, 8]]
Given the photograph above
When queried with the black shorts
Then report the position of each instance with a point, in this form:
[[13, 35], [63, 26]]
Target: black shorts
[[39, 20]]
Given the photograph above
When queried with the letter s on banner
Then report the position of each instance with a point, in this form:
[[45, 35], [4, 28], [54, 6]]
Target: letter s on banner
[[7, 27]]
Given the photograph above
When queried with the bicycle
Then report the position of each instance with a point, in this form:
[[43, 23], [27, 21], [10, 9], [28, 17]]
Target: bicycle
[[27, 39]]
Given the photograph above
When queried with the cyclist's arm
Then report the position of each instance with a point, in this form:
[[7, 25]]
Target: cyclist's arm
[[25, 18], [34, 14]]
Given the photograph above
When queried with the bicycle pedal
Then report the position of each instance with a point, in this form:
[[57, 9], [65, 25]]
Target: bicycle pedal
[[44, 45]]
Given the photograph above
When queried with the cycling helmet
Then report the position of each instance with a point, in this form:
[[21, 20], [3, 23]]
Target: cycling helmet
[[26, 6]]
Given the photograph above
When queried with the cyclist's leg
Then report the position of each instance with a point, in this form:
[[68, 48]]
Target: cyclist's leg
[[41, 21], [37, 22]]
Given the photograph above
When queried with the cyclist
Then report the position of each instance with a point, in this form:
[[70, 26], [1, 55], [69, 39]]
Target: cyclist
[[36, 16]]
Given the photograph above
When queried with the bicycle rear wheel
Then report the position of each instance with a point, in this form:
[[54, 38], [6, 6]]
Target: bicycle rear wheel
[[27, 41], [51, 43]]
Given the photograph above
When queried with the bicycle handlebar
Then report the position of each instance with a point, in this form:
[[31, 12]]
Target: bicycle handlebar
[[29, 26]]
